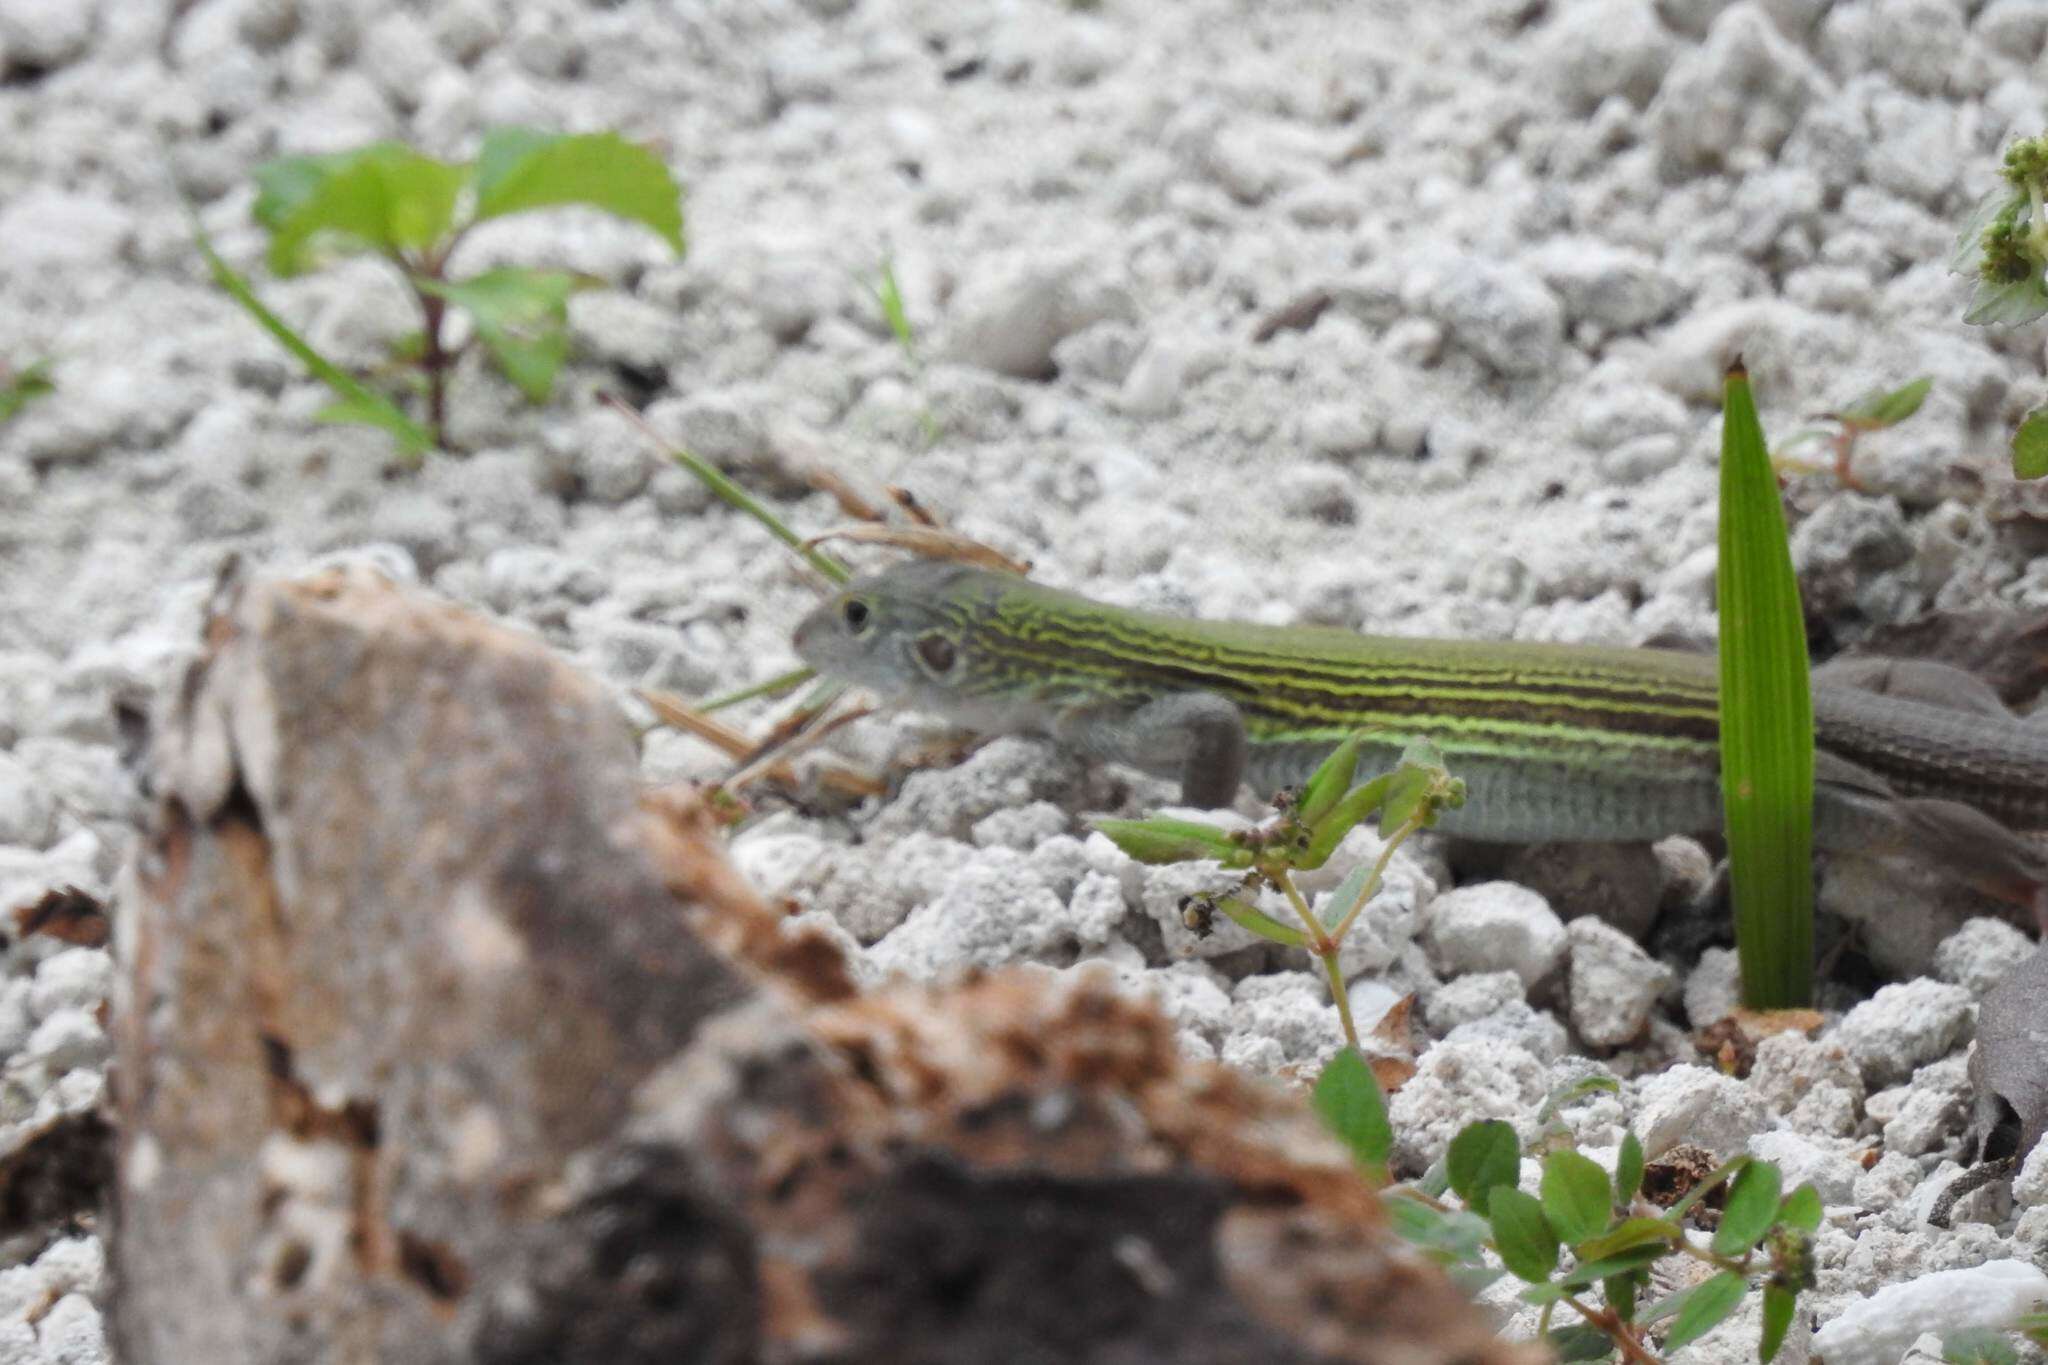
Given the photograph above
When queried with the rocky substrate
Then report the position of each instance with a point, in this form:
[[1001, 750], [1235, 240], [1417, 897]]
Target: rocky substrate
[[1407, 319]]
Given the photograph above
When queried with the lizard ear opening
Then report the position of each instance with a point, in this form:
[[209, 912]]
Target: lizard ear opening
[[936, 653]]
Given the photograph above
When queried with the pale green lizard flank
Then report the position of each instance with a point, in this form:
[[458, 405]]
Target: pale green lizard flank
[[1564, 742]]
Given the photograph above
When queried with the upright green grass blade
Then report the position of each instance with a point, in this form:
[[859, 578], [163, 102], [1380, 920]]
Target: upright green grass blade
[[1766, 719]]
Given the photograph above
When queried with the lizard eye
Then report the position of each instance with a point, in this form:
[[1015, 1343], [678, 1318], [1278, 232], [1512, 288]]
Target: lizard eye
[[856, 613], [936, 653]]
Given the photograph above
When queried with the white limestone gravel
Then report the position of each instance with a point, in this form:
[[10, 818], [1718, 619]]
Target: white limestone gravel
[[1541, 232]]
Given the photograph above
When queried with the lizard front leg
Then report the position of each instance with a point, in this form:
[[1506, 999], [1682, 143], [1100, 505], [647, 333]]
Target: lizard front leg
[[1198, 737]]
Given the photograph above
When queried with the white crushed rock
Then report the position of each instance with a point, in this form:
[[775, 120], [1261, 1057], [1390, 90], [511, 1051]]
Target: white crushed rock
[[1494, 926], [1542, 231]]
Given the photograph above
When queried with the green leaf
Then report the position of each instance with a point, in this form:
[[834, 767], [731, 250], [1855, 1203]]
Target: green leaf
[[2030, 445], [1968, 251], [1405, 795], [1579, 1342], [1766, 720], [1483, 1157], [1331, 779], [1622, 1291], [520, 169], [377, 412], [522, 318], [890, 295], [1779, 1306], [383, 197], [1628, 1169], [1454, 1236], [1627, 1235], [1576, 1197], [1750, 1210], [2008, 305], [1162, 839], [1349, 892], [1978, 1346], [1724, 1171], [1329, 831], [284, 185], [30, 382], [1802, 1209], [360, 403], [1348, 1098], [1257, 921], [1706, 1306], [1577, 1090], [1878, 409], [1621, 1262], [1522, 1236], [2035, 1326]]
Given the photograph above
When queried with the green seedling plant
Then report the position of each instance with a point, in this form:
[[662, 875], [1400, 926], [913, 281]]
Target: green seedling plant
[[2004, 247], [415, 212], [19, 388], [1613, 1237], [1767, 759], [1874, 411], [1306, 832]]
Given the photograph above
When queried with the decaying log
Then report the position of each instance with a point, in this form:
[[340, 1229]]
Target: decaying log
[[438, 1043]]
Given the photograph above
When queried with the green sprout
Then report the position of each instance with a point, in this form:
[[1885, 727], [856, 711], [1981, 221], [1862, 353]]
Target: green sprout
[[1306, 832], [18, 388], [1874, 411], [415, 211], [1612, 1235]]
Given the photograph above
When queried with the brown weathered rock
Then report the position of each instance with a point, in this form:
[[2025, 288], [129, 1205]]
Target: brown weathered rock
[[438, 1044]]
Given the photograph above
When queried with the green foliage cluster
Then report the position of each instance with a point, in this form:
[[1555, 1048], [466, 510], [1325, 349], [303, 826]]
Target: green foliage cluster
[[18, 388], [2004, 246], [1310, 825], [1612, 1237], [2004, 242], [414, 211]]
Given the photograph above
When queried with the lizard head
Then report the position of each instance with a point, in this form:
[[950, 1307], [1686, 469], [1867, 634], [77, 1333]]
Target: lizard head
[[902, 632]]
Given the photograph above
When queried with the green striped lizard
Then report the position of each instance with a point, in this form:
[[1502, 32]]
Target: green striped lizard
[[1553, 742]]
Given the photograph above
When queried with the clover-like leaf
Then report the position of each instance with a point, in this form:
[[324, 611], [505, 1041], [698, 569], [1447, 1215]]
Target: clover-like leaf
[[521, 168], [1705, 1306], [1482, 1158], [1521, 1234], [1750, 1209], [1576, 1196], [1349, 1101]]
